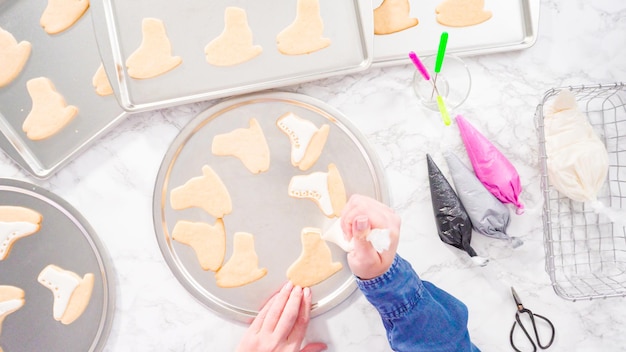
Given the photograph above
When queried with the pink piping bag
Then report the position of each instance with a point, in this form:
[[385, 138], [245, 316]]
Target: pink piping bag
[[491, 167]]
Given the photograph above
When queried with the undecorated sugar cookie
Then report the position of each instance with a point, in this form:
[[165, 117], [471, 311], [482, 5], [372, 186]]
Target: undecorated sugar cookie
[[462, 13], [11, 299], [207, 192], [60, 15], [208, 242], [393, 16], [71, 292], [13, 57], [101, 83], [326, 189], [307, 141], [305, 34], [246, 144], [234, 45], [154, 55], [49, 113], [243, 266], [15, 223], [315, 263]]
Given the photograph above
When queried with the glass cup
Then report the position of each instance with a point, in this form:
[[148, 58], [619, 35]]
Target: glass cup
[[453, 82]]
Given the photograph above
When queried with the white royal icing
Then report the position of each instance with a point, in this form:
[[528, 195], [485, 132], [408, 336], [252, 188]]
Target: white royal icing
[[300, 133], [62, 283], [314, 186], [12, 231], [9, 306], [379, 238]]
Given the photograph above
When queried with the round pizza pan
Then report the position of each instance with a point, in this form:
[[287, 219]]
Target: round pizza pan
[[261, 204], [64, 239]]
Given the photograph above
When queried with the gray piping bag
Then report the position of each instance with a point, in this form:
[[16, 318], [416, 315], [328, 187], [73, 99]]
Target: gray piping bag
[[453, 222], [487, 214]]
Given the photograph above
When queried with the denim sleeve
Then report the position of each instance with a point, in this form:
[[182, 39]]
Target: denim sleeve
[[417, 315]]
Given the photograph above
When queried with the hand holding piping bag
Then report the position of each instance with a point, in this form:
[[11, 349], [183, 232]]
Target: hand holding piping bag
[[360, 216]]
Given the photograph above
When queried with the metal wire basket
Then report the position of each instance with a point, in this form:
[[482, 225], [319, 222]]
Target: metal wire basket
[[586, 252]]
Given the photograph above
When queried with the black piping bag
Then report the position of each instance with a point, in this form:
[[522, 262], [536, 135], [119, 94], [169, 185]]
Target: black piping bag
[[488, 215], [453, 223]]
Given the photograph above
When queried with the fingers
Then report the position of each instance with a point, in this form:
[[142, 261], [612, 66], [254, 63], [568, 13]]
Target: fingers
[[276, 308], [304, 316], [257, 323], [291, 314], [315, 347]]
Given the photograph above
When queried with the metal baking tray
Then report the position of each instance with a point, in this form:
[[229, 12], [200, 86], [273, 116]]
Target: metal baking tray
[[192, 24], [65, 239], [69, 59], [261, 204], [513, 26]]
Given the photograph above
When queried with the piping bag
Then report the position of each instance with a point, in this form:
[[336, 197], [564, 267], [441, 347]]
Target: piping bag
[[453, 222], [491, 167], [578, 161], [487, 214], [380, 238]]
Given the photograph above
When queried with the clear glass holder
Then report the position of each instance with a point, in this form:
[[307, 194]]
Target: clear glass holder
[[453, 83]]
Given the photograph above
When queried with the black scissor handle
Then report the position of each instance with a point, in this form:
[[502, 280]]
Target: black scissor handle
[[532, 319]]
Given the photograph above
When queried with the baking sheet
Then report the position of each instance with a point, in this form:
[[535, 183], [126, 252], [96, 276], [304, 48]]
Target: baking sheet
[[192, 24], [513, 26], [66, 240], [261, 204], [69, 59]]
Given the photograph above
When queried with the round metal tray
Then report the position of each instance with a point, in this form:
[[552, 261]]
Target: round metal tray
[[261, 205], [65, 239]]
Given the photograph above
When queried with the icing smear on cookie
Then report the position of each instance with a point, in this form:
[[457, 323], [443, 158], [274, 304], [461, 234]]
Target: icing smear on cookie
[[11, 232], [71, 292], [10, 306], [324, 188]]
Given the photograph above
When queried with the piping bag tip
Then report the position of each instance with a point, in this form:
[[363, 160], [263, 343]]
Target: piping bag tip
[[481, 261]]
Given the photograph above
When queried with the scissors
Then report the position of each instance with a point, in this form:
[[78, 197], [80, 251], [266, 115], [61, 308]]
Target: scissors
[[532, 316]]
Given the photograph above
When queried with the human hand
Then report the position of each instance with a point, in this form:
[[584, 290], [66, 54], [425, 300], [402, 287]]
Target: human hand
[[281, 324], [359, 216]]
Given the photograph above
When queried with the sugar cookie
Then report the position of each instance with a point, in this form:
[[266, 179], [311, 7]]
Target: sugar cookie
[[315, 263], [13, 57], [71, 292], [307, 141], [207, 192], [246, 144], [11, 299], [154, 55], [60, 15], [243, 266], [304, 34], [15, 223], [326, 189], [101, 83], [393, 16], [461, 13], [208, 242], [49, 113], [234, 45]]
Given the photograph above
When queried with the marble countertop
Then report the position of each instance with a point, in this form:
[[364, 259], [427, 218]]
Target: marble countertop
[[579, 42]]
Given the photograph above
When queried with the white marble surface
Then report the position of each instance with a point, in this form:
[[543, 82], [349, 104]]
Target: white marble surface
[[580, 42]]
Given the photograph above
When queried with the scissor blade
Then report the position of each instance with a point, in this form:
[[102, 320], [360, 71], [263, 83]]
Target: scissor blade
[[518, 301]]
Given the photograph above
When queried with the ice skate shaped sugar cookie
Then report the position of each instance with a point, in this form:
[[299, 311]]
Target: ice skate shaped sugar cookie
[[100, 82], [11, 299], [208, 242], [305, 34], [207, 192], [234, 45], [243, 266], [246, 144], [15, 223], [49, 112], [315, 263], [393, 16], [462, 13], [326, 189], [71, 292], [154, 55], [13, 57], [60, 15], [307, 141]]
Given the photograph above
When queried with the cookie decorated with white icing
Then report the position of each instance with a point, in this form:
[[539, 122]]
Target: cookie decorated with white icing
[[326, 189], [15, 223], [11, 299], [71, 292], [307, 141]]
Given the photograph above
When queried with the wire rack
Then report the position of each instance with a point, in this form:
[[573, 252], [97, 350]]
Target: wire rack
[[586, 252]]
